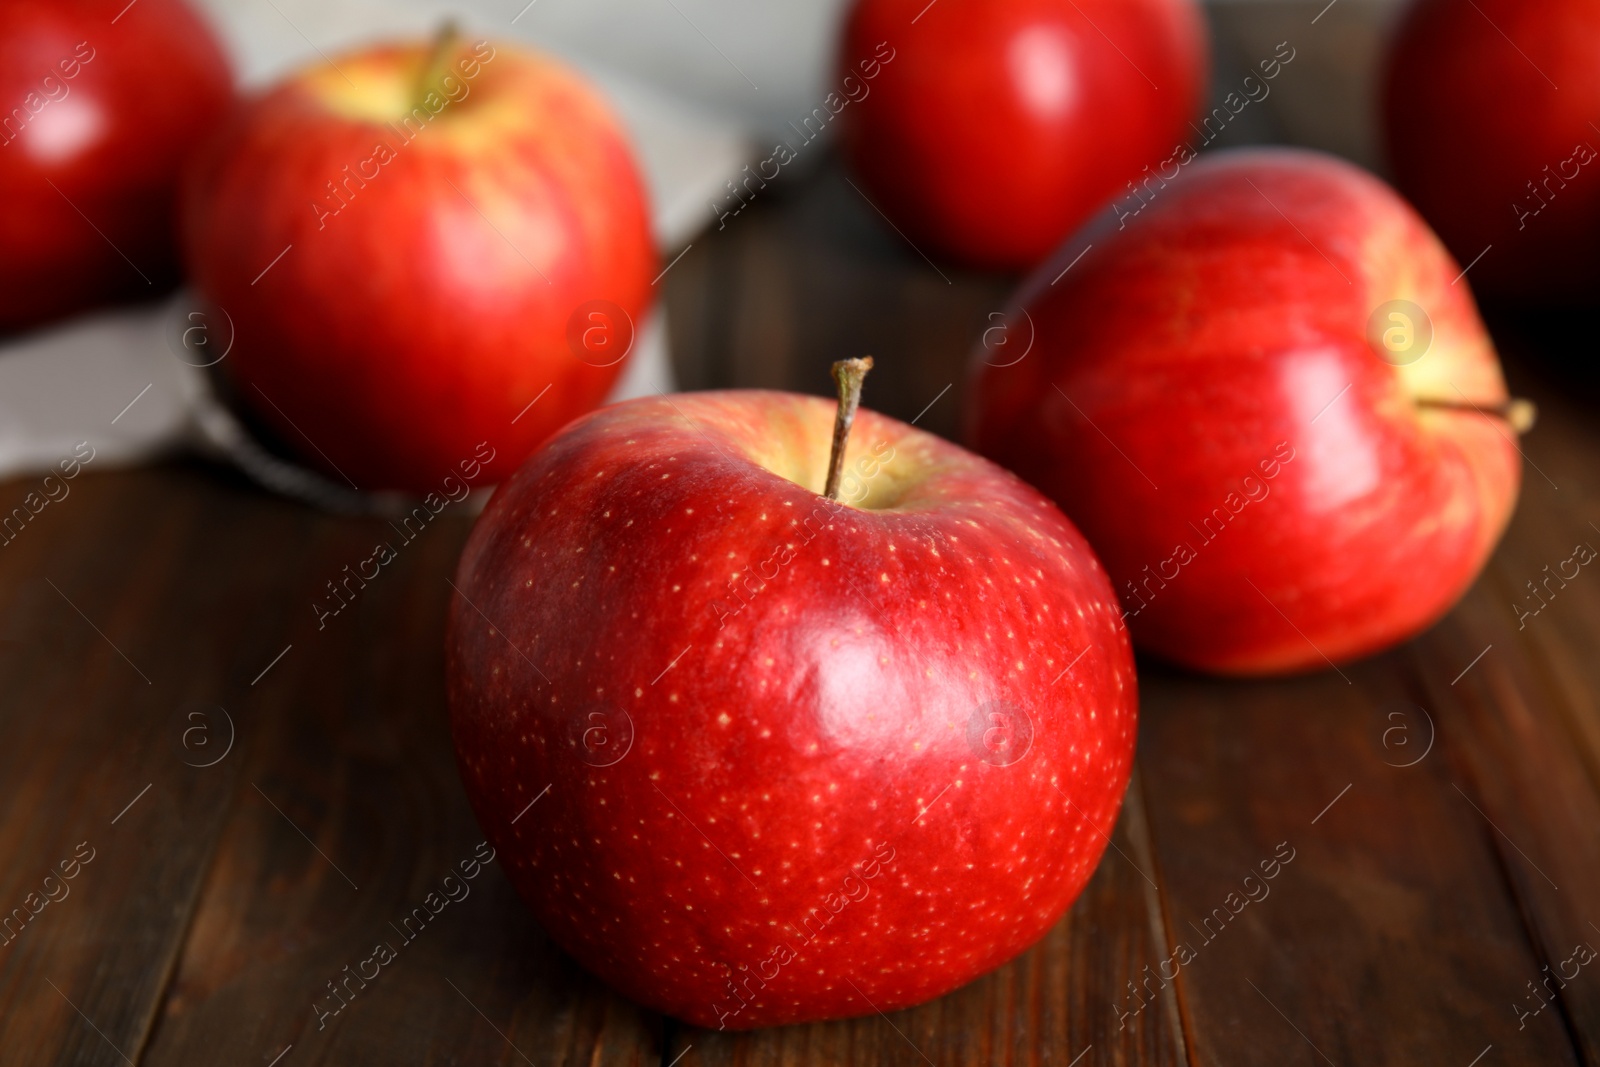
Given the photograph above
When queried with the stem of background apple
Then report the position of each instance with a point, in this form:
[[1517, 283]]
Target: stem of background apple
[[1521, 414], [430, 78], [849, 374]]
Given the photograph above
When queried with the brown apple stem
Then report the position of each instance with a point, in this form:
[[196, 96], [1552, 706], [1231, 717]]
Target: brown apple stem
[[1521, 414], [430, 77], [849, 374]]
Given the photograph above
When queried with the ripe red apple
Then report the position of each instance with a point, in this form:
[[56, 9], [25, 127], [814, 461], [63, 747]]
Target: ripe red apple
[[422, 248], [1490, 111], [995, 127], [788, 757], [1271, 406], [101, 102]]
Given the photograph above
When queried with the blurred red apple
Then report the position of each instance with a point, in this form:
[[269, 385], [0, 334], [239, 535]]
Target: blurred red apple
[[1273, 410], [1490, 109], [100, 104], [998, 126], [422, 248], [794, 758]]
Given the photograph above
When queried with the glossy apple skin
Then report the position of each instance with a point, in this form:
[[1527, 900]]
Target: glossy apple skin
[[1227, 322], [112, 139], [427, 313], [819, 730], [1000, 125], [1472, 118]]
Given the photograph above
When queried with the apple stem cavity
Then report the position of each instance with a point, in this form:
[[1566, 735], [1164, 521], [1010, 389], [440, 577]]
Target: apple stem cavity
[[430, 77], [849, 374], [1520, 414]]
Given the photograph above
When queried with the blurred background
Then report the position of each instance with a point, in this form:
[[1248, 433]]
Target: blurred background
[[704, 88], [754, 67]]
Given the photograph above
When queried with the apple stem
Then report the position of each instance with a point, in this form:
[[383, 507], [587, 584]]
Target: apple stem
[[1521, 414], [849, 374], [430, 78]]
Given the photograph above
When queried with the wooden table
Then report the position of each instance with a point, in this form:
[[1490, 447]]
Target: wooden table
[[1439, 802]]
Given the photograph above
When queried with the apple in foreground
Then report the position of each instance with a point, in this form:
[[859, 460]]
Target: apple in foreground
[[755, 755], [995, 127], [421, 248], [101, 103], [1489, 116], [1270, 404]]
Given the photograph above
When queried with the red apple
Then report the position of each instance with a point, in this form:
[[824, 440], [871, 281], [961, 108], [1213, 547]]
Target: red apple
[[789, 758], [1272, 408], [101, 101], [1490, 109], [989, 129], [422, 248]]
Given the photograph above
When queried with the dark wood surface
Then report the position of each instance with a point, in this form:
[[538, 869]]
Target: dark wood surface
[[1441, 802]]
